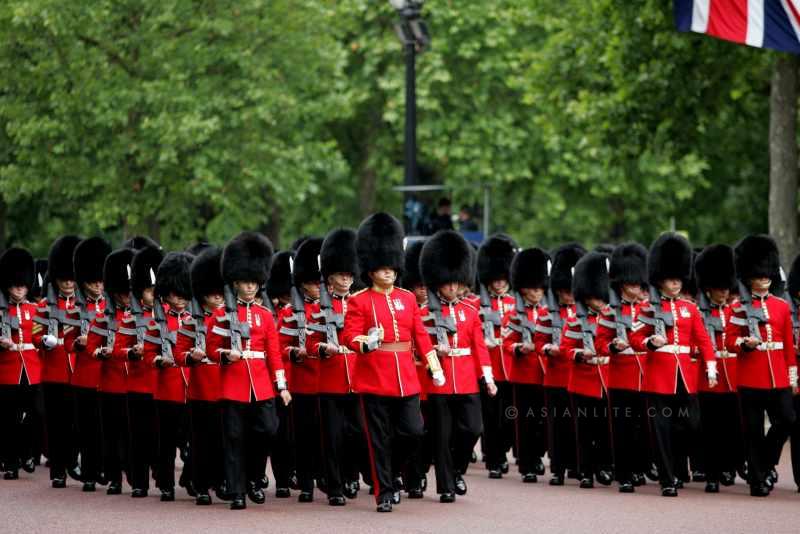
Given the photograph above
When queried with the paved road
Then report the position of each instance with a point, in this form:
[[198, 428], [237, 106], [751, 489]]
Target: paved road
[[29, 506]]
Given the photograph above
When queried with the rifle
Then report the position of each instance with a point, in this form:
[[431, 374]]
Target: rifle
[[661, 319], [588, 329], [298, 317], [55, 316], [556, 322], [753, 316], [523, 325], [712, 324], [165, 338], [239, 330], [266, 301], [620, 323], [85, 317], [442, 326], [333, 322], [110, 313], [7, 323], [490, 319]]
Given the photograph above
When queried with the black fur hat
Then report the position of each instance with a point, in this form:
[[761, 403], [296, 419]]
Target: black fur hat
[[670, 256], [88, 259], [715, 267], [280, 276], [144, 261], [247, 257], [604, 248], [205, 274], [59, 261], [494, 258], [379, 243], [446, 257], [306, 262], [138, 242], [17, 268], [297, 242], [173, 275], [411, 275], [40, 273], [628, 265], [564, 259], [198, 247], [591, 277], [338, 253], [757, 256], [115, 271], [529, 269], [793, 280]]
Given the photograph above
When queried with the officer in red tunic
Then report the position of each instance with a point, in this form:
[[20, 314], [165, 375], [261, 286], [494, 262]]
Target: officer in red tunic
[[380, 325], [582, 345], [204, 374], [627, 275], [561, 308], [300, 336], [761, 333], [20, 368], [52, 334], [343, 445], [88, 263], [244, 339], [792, 296], [723, 449], [456, 330], [496, 301], [670, 329], [142, 375]]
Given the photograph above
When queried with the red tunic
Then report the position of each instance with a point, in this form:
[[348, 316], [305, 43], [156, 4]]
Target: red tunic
[[502, 360], [726, 360], [527, 368], [57, 363], [589, 379], [304, 375], [114, 370], [253, 375], [26, 357], [468, 351], [766, 367], [626, 369], [557, 375], [172, 381], [205, 375], [677, 356], [389, 372], [142, 376], [336, 372], [87, 367]]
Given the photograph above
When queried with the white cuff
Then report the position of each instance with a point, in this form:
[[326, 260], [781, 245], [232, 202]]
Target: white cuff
[[793, 376], [438, 379], [488, 377], [711, 370], [49, 341], [280, 375]]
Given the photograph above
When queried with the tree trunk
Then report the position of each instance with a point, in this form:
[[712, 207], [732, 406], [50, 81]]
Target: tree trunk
[[367, 189], [783, 166]]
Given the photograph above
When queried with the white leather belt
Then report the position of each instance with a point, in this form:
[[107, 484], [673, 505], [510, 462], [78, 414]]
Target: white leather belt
[[455, 353], [724, 354], [253, 355], [675, 349], [26, 346], [597, 360], [628, 351], [771, 345]]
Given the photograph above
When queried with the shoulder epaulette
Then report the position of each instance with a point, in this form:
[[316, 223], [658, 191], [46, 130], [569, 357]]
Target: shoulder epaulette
[[359, 292], [404, 290], [468, 305], [780, 299]]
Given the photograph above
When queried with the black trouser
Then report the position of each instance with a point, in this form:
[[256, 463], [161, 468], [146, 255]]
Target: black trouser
[[171, 420], [529, 426], [342, 440], [723, 449], [87, 410], [248, 428], [206, 444], [455, 427], [114, 417], [420, 464], [282, 450], [630, 433], [59, 414], [305, 416], [763, 452], [17, 404], [672, 416], [561, 430], [498, 427], [143, 433], [795, 444], [592, 434], [393, 427]]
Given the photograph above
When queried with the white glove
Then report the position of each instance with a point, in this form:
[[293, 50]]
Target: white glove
[[49, 341], [438, 378], [793, 376], [488, 377], [711, 370]]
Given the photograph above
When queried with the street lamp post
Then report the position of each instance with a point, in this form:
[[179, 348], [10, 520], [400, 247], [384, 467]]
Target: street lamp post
[[413, 34]]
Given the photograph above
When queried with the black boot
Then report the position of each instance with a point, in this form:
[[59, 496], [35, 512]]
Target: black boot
[[447, 497], [89, 487], [337, 500], [238, 502], [202, 499], [255, 493], [138, 493], [167, 494]]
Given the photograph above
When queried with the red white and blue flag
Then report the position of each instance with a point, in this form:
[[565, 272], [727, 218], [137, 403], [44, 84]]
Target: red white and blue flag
[[761, 23]]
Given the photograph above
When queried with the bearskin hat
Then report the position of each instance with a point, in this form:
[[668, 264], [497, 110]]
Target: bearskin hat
[[17, 268], [628, 265], [411, 275], [757, 256], [138, 242], [446, 257], [338, 253], [494, 258], [280, 276], [564, 259], [529, 269], [379, 243], [306, 262], [204, 273], [115, 271], [59, 261], [198, 247], [715, 267], [88, 259], [143, 263], [297, 242], [670, 256], [247, 257], [591, 279], [604, 248], [173, 275]]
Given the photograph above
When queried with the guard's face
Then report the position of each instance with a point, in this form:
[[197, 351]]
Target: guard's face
[[177, 302], [499, 287], [65, 287], [719, 296], [311, 289], [340, 282], [214, 300], [565, 297], [421, 293], [93, 289], [671, 287], [449, 291], [761, 283], [246, 290], [631, 292], [148, 297], [17, 293], [595, 304], [122, 299], [383, 277], [532, 295]]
